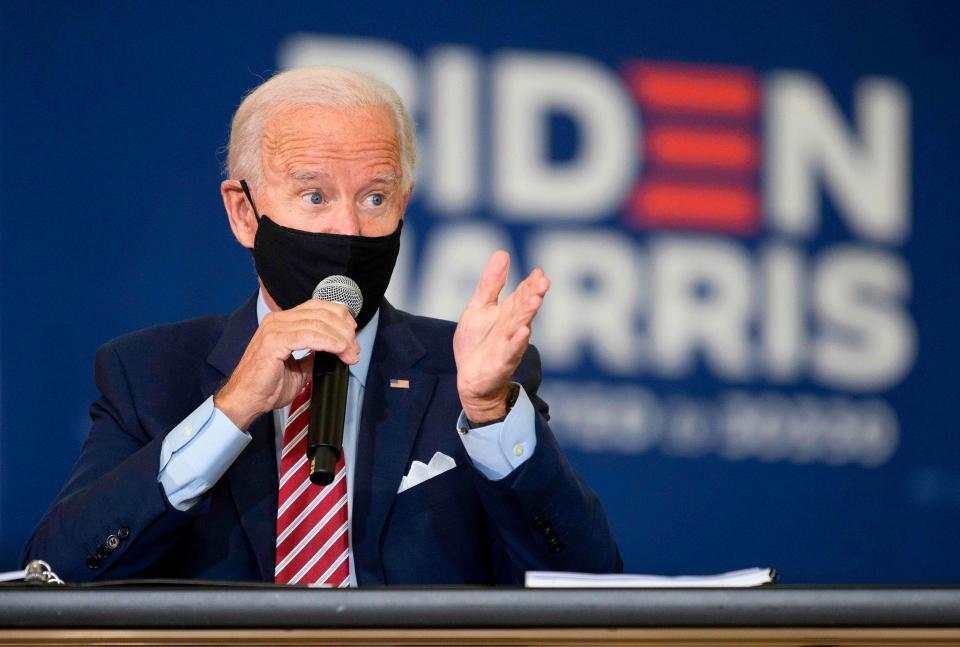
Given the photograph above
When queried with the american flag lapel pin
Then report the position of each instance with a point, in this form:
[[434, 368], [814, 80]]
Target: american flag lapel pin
[[399, 384]]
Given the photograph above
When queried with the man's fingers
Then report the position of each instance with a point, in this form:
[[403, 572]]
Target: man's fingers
[[527, 299], [543, 283], [347, 351], [323, 317], [521, 337], [282, 338], [512, 348], [317, 308], [333, 328], [493, 279], [537, 282], [499, 333]]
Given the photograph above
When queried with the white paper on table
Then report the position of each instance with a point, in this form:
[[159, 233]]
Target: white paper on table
[[12, 576], [738, 579]]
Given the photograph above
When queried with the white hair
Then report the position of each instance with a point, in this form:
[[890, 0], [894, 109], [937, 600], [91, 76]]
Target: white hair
[[322, 86]]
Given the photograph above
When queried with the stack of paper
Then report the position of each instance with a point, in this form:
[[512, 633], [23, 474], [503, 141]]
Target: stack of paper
[[12, 576], [557, 579]]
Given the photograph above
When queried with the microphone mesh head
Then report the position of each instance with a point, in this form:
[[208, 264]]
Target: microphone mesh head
[[342, 290]]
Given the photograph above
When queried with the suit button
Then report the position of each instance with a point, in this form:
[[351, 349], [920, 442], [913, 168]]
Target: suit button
[[93, 563], [557, 547], [541, 524], [123, 533], [550, 536], [113, 542], [102, 552]]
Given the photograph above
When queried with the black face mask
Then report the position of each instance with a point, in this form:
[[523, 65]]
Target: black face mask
[[291, 262]]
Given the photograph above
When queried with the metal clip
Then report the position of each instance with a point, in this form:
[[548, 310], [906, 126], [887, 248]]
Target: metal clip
[[39, 572]]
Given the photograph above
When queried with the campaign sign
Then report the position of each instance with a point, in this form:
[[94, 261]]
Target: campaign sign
[[745, 213]]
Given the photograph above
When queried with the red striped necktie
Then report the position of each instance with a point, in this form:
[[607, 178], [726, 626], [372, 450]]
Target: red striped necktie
[[312, 542]]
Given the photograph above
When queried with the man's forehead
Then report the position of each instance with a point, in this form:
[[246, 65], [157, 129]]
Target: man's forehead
[[313, 133], [329, 124]]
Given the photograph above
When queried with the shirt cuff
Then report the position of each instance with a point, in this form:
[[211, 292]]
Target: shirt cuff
[[498, 449], [197, 452]]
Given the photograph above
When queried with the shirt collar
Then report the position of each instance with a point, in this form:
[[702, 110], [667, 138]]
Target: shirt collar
[[365, 337]]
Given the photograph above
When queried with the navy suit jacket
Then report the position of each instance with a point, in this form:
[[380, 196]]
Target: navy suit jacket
[[456, 528]]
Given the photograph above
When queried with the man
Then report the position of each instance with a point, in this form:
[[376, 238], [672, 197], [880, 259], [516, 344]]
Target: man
[[195, 463]]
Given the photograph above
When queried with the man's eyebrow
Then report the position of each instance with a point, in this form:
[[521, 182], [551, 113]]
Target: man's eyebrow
[[307, 176], [385, 178], [310, 176]]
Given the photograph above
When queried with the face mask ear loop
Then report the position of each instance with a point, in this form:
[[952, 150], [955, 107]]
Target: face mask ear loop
[[246, 192]]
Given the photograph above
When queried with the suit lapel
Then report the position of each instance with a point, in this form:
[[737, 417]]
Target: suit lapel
[[225, 356], [253, 483], [253, 476], [388, 428]]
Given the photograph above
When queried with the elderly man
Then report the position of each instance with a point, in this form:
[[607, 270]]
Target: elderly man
[[195, 465]]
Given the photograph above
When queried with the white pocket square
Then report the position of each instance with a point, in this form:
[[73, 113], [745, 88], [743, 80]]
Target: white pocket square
[[419, 472]]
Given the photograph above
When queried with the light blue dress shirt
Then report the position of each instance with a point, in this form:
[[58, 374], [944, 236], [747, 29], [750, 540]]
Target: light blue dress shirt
[[198, 451]]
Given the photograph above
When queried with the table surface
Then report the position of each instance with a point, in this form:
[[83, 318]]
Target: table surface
[[183, 605]]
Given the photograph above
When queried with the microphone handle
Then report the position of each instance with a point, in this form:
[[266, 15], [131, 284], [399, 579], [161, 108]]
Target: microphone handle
[[328, 406]]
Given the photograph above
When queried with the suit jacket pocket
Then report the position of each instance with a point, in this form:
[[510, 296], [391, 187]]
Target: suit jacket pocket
[[436, 533], [432, 493]]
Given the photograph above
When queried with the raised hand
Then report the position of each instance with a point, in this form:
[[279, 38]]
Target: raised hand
[[492, 336]]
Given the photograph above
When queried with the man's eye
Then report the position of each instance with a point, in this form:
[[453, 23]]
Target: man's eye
[[376, 199], [313, 197]]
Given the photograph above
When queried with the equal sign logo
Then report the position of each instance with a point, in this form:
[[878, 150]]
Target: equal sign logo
[[701, 148]]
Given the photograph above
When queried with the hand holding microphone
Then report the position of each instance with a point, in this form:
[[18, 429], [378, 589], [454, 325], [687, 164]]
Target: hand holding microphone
[[267, 377]]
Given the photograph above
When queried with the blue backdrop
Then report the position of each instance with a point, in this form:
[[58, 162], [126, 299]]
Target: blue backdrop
[[745, 209]]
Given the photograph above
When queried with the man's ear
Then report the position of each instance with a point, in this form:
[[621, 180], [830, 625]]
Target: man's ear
[[243, 222]]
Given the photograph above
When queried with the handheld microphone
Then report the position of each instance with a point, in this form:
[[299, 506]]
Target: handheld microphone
[[328, 401]]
